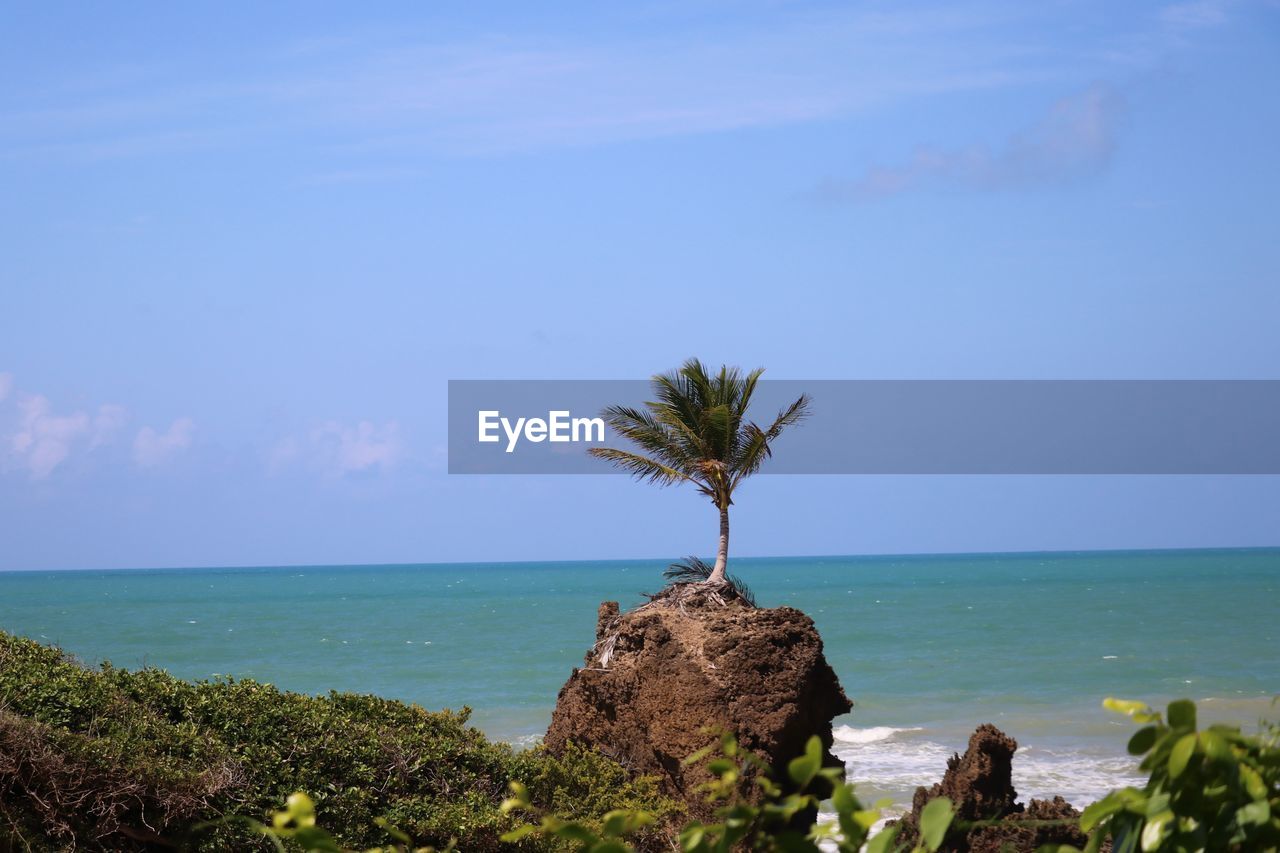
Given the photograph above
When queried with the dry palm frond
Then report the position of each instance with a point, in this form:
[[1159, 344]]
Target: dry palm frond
[[695, 570], [687, 592]]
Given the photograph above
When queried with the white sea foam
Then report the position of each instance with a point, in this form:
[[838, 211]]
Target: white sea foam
[[850, 734], [1081, 777], [894, 761], [889, 759]]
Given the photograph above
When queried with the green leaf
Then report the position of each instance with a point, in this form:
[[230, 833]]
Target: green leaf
[[1158, 802], [519, 799], [883, 840], [312, 838], [1216, 746], [620, 822], [1138, 711], [768, 786], [843, 800], [803, 768], [721, 766], [1123, 706], [1181, 754], [576, 832], [1182, 714], [610, 846], [834, 775], [698, 755], [519, 832], [1097, 812], [1253, 784], [1155, 830], [935, 818], [392, 830], [1126, 841], [1256, 813], [1142, 740], [692, 836], [614, 825]]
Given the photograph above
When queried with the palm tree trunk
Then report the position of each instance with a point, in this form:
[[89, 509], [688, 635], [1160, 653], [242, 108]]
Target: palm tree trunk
[[722, 553]]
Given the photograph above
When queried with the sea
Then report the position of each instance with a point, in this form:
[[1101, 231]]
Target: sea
[[928, 647]]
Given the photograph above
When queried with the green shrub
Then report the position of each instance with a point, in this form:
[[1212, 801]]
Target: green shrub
[[111, 759], [782, 822], [582, 785], [1209, 789]]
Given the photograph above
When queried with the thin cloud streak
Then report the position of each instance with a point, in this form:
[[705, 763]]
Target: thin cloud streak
[[336, 449], [1195, 14], [517, 93], [1074, 140]]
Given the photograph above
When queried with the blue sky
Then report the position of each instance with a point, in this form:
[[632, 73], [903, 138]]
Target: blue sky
[[246, 247]]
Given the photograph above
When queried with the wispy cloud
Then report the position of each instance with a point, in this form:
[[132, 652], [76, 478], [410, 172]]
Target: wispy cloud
[[41, 440], [1073, 140], [1195, 14], [366, 176], [37, 439], [152, 448], [337, 449], [396, 93], [521, 91], [107, 422]]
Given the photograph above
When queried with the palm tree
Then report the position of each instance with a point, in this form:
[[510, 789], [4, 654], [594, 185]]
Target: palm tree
[[697, 432]]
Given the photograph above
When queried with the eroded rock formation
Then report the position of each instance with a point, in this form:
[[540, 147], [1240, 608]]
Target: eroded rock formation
[[980, 786], [660, 675]]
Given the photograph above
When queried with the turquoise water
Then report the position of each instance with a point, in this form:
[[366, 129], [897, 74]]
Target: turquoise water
[[926, 646]]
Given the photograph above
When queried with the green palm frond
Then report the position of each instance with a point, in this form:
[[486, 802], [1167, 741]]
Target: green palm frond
[[688, 436], [696, 429], [757, 447], [654, 436], [793, 414], [640, 467], [678, 400]]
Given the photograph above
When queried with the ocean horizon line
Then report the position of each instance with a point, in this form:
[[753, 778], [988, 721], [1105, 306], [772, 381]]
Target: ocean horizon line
[[905, 555]]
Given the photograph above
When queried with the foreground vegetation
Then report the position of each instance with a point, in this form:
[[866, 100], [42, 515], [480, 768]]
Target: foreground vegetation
[[1213, 789], [111, 759], [782, 820], [114, 760]]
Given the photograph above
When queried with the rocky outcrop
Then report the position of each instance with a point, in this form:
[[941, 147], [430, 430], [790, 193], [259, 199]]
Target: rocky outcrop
[[660, 676], [980, 787]]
